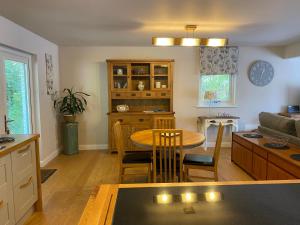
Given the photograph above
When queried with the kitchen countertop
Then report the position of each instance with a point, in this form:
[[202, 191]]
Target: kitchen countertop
[[244, 203], [20, 141], [283, 154]]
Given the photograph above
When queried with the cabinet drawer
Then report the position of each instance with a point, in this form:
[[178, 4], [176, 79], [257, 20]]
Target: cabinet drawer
[[25, 195], [241, 141], [121, 119], [261, 152], [285, 165], [141, 120], [275, 173], [163, 94], [134, 94], [148, 94], [118, 95], [23, 162]]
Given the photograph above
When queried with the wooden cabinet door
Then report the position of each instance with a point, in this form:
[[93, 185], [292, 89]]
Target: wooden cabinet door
[[259, 167], [235, 153], [276, 173], [6, 194], [242, 156], [246, 159]]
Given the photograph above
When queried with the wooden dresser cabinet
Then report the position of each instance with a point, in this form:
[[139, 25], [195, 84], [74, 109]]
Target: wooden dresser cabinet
[[156, 99], [263, 163]]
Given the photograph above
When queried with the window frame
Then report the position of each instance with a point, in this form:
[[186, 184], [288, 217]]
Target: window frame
[[222, 104], [16, 55]]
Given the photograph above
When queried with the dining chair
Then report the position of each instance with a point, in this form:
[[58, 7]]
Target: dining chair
[[130, 160], [164, 122], [166, 144], [204, 162]]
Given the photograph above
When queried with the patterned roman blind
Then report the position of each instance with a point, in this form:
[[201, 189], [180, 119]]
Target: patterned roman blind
[[219, 60]]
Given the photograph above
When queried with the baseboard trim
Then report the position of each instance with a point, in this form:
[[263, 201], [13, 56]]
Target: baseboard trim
[[93, 147], [49, 158]]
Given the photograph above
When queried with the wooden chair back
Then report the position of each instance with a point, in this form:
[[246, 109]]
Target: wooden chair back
[[118, 138], [166, 143], [218, 145], [164, 122]]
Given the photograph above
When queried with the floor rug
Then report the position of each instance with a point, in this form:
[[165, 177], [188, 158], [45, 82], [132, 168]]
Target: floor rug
[[46, 173]]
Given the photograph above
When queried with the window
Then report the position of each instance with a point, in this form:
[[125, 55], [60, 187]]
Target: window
[[217, 90], [15, 92]]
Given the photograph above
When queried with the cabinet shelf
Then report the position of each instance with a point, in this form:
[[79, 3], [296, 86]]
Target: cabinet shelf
[[144, 75], [161, 75]]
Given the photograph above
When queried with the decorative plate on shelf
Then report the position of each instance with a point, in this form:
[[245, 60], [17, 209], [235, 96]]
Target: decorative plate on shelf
[[261, 73]]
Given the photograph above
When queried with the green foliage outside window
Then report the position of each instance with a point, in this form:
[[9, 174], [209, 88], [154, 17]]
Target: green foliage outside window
[[17, 97], [220, 84]]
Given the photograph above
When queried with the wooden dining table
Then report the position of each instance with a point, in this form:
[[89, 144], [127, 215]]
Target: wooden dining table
[[190, 139]]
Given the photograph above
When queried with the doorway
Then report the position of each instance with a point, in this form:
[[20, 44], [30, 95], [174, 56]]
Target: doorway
[[15, 94]]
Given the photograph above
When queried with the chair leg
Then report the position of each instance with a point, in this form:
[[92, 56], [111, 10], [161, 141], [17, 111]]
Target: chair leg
[[121, 174], [216, 175], [186, 174], [149, 173]]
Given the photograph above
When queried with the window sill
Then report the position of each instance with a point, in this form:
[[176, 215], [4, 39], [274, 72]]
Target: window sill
[[217, 106]]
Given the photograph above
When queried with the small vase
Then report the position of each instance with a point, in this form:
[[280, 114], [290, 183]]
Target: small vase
[[141, 86]]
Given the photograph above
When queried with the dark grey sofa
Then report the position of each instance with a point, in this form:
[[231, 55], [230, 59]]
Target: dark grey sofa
[[275, 125]]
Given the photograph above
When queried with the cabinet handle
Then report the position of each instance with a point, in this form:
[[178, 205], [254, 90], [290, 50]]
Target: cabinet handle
[[141, 120], [163, 94], [24, 149], [1, 203], [118, 95], [133, 94], [148, 94], [26, 184]]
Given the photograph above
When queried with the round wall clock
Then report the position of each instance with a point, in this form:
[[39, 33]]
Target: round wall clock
[[261, 73]]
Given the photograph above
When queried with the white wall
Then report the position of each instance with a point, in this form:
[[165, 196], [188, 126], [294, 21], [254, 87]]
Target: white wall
[[85, 68], [15, 36], [292, 50]]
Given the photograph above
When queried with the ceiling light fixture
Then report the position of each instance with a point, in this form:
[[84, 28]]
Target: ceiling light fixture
[[189, 41], [163, 41]]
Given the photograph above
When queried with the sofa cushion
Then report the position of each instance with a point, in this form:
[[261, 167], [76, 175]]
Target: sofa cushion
[[276, 122], [297, 125], [195, 159]]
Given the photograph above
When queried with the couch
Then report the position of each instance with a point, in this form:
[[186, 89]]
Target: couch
[[281, 126]]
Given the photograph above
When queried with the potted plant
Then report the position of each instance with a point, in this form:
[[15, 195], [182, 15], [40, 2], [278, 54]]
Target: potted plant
[[72, 103]]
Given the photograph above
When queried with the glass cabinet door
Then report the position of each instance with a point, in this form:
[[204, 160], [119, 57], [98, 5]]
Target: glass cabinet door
[[140, 76], [120, 77], [161, 76]]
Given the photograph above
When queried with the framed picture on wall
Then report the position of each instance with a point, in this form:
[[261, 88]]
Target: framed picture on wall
[[49, 74]]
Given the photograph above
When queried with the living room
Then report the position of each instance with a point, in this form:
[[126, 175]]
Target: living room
[[85, 48]]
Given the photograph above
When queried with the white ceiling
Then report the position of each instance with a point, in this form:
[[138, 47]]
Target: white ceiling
[[134, 22]]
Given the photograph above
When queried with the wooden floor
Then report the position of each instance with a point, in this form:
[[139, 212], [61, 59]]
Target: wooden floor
[[65, 193]]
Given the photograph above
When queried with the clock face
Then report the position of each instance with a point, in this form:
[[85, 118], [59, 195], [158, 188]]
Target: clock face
[[261, 73]]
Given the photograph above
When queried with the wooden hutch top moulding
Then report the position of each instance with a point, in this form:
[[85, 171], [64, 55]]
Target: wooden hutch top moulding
[[145, 86]]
